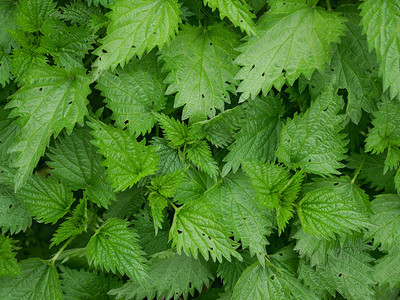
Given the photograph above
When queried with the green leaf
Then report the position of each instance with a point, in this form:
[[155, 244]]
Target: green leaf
[[149, 23], [243, 214], [199, 62], [49, 100], [237, 11], [170, 160], [385, 221], [8, 263], [134, 93], [127, 160], [352, 67], [8, 22], [81, 284], [259, 133], [196, 228], [313, 141], [39, 281], [157, 204], [193, 186], [385, 133], [5, 70], [260, 283], [33, 13], [14, 215], [176, 132], [47, 199], [114, 247], [200, 155], [386, 269], [375, 16], [73, 225], [128, 203], [172, 276], [75, 161], [292, 38], [325, 211]]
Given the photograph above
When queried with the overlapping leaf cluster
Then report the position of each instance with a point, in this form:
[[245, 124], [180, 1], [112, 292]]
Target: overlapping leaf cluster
[[178, 149]]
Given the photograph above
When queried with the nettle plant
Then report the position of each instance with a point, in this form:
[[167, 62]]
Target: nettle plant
[[179, 149]]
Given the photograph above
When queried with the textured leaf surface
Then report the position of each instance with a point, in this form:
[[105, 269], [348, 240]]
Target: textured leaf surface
[[127, 160], [386, 270], [32, 13], [39, 281], [135, 27], [114, 247], [259, 133], [196, 228], [171, 276], [292, 38], [133, 93], [8, 263], [199, 62], [325, 211], [14, 215], [236, 11], [47, 199], [81, 284], [375, 16], [50, 99], [201, 156], [313, 141]]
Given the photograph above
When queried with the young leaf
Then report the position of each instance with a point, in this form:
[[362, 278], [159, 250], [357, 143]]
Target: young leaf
[[172, 276], [325, 211], [313, 141], [236, 11], [176, 132], [148, 23], [134, 93], [292, 38], [47, 199], [127, 160], [39, 281], [200, 155], [259, 133], [114, 247], [170, 160], [75, 161], [50, 99], [196, 228], [199, 62], [8, 263], [384, 14]]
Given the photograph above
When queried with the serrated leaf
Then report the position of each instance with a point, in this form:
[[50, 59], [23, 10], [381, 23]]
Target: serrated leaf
[[14, 215], [47, 199], [313, 141], [386, 269], [78, 12], [237, 11], [8, 21], [75, 161], [39, 281], [325, 211], [176, 132], [149, 23], [193, 186], [133, 93], [199, 62], [196, 228], [128, 202], [127, 160], [375, 16], [5, 70], [74, 225], [50, 99], [292, 38], [259, 133], [8, 263], [200, 155], [157, 204], [32, 13], [89, 285], [385, 221], [172, 276], [260, 283], [170, 160], [114, 247]]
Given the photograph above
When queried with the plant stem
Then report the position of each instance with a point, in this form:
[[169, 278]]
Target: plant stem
[[358, 170], [172, 204], [328, 5], [55, 257]]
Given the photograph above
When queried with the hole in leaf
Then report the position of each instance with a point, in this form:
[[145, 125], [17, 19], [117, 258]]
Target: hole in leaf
[[40, 89], [280, 254], [179, 231], [340, 274], [104, 50], [10, 206], [107, 236], [272, 277], [211, 43], [70, 102], [126, 121], [202, 95], [263, 74]]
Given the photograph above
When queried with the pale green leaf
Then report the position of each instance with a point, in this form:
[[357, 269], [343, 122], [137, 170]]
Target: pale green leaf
[[199, 62], [312, 141], [49, 100], [8, 263], [135, 27], [127, 160], [237, 11], [133, 93], [114, 247], [39, 281], [292, 38], [47, 199]]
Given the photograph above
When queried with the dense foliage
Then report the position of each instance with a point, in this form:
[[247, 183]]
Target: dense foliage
[[216, 149]]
